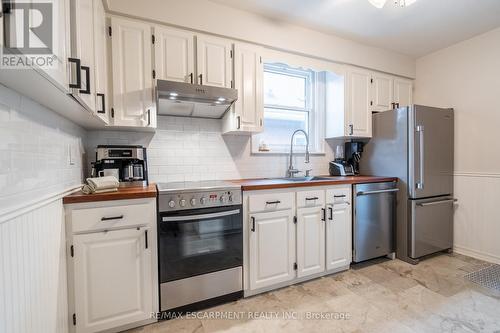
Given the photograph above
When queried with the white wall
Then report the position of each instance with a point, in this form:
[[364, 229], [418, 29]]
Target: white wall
[[35, 171], [189, 149], [207, 16], [466, 76]]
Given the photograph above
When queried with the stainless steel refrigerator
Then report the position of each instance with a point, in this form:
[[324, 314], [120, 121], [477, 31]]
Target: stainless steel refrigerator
[[415, 144]]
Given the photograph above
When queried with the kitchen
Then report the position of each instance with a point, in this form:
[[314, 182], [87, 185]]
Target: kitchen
[[293, 241]]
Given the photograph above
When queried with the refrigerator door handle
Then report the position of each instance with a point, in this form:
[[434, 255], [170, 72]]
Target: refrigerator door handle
[[424, 204], [420, 183]]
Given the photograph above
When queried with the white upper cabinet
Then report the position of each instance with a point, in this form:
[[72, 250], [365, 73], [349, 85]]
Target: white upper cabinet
[[358, 117], [61, 43], [247, 113], [112, 279], [174, 54], [133, 102], [272, 248], [82, 48], [389, 92], [382, 92], [403, 92], [101, 67], [214, 63], [310, 240]]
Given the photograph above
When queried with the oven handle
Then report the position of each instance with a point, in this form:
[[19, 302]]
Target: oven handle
[[199, 217]]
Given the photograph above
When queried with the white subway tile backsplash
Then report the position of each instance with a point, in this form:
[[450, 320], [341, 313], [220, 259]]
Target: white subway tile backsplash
[[188, 149], [34, 150]]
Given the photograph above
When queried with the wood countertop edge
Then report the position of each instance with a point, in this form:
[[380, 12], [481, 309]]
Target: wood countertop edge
[[123, 193], [248, 186]]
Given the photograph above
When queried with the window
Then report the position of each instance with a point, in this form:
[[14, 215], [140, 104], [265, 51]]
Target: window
[[290, 103]]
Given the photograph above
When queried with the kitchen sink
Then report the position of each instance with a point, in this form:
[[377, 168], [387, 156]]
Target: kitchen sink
[[300, 179]]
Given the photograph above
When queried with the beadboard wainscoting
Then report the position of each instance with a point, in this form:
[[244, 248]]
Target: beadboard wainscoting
[[477, 225], [189, 149], [33, 272]]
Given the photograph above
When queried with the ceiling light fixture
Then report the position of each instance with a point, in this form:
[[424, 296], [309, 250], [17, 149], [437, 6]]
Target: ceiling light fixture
[[381, 3], [378, 3]]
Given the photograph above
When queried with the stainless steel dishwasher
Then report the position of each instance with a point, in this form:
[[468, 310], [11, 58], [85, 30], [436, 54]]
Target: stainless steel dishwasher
[[374, 220]]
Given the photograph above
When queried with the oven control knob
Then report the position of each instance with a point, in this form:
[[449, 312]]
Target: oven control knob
[[193, 202], [182, 202], [223, 198], [203, 200], [171, 204]]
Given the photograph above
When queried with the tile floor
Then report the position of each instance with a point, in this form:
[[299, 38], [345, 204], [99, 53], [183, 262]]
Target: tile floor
[[382, 296]]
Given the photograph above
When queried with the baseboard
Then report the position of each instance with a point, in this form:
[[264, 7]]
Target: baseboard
[[477, 254]]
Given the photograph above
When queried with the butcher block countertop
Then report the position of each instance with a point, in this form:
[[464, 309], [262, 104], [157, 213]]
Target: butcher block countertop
[[276, 183], [123, 193]]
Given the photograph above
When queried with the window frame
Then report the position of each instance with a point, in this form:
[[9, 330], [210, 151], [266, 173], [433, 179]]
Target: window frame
[[312, 108]]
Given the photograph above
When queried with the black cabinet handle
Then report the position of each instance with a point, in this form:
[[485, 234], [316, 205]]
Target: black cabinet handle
[[323, 211], [87, 80], [146, 238], [339, 196], [330, 210], [78, 64], [273, 202], [239, 122], [191, 77], [103, 100], [111, 218], [253, 224], [149, 117], [201, 79], [313, 198], [397, 105]]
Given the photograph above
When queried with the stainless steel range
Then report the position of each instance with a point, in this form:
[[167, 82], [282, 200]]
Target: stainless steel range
[[200, 240]]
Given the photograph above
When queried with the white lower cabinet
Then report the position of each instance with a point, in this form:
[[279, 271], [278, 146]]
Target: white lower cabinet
[[310, 241], [112, 264], [112, 279], [338, 228], [295, 236], [272, 248]]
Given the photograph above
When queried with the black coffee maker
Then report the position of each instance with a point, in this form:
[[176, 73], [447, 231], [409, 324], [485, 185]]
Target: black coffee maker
[[127, 163], [353, 152]]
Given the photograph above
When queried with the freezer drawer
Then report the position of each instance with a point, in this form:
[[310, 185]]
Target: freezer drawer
[[431, 227], [374, 220]]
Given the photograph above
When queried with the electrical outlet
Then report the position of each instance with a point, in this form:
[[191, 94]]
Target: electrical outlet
[[71, 154]]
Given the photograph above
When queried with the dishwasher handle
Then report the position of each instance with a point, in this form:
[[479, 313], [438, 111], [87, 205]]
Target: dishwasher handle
[[378, 191]]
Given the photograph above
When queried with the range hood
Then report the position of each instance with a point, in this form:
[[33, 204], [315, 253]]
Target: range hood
[[193, 100]]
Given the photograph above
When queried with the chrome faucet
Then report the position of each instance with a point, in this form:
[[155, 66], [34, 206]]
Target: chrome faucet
[[291, 170]]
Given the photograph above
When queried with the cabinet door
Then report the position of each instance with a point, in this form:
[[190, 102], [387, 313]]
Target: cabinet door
[[132, 73], [248, 113], [101, 66], [113, 279], [174, 54], [61, 43], [214, 63], [381, 92], [403, 92], [359, 117], [338, 235], [272, 248], [310, 241], [82, 39]]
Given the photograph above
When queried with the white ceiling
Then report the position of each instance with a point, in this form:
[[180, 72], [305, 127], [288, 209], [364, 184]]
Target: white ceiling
[[416, 30]]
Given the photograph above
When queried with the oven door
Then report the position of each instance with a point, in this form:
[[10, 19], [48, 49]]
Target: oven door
[[199, 241]]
